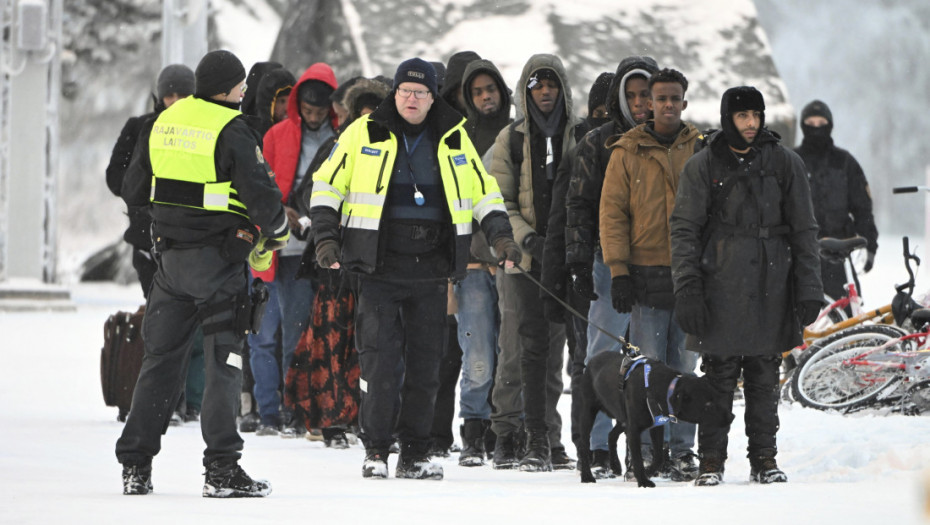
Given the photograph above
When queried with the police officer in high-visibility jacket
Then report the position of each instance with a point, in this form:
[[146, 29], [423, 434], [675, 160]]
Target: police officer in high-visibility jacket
[[405, 184], [201, 167]]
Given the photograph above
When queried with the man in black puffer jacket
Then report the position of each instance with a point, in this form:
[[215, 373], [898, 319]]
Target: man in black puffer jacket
[[842, 201]]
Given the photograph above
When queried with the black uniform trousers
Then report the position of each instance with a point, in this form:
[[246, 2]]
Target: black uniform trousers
[[760, 389], [401, 334], [187, 281]]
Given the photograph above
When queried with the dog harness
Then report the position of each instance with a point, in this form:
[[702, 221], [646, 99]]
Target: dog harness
[[655, 409]]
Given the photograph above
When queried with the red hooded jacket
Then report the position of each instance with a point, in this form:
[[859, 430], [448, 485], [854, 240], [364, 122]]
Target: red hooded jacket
[[282, 142]]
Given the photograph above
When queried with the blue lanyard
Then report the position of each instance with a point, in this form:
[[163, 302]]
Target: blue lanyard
[[418, 197]]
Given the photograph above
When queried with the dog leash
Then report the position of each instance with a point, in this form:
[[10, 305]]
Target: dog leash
[[627, 348]]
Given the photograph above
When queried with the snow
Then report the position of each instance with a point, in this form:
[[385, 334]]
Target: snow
[[58, 465]]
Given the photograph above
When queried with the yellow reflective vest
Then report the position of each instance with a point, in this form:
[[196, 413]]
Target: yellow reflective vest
[[181, 148], [354, 182]]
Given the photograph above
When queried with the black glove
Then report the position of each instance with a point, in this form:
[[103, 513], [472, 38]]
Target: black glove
[[534, 244], [808, 312], [552, 310], [621, 293], [691, 311], [507, 250], [869, 262], [327, 253], [583, 281]]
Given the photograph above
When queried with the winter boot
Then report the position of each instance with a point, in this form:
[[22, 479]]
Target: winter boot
[[472, 454], [137, 479], [600, 465], [335, 438], [269, 426], [505, 454], [710, 473], [765, 470], [414, 463], [249, 422], [538, 455], [375, 465], [226, 479], [560, 459], [683, 468]]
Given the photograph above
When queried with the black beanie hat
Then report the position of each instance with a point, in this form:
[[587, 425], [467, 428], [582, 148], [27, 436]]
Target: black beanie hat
[[176, 78], [738, 99], [419, 71], [217, 73], [315, 93], [817, 108], [597, 96]]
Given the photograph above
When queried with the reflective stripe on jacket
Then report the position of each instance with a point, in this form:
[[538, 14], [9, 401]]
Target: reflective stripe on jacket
[[354, 181], [181, 148]]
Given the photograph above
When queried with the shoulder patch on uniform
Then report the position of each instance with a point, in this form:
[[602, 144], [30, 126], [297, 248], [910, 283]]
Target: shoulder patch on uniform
[[258, 155], [371, 151], [459, 160]]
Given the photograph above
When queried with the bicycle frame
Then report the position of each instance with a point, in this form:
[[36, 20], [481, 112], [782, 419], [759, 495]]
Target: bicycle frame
[[881, 315]]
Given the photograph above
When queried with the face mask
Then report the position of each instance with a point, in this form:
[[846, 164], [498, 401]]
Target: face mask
[[818, 137]]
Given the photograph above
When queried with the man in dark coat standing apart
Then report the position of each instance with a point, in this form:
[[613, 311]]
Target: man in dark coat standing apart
[[746, 272]]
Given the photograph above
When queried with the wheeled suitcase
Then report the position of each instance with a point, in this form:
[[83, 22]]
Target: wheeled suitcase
[[121, 359]]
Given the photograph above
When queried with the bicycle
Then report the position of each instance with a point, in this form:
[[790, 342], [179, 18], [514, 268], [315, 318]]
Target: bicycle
[[861, 365]]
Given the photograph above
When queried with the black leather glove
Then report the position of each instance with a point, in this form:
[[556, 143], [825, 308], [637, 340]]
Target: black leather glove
[[691, 311], [327, 253], [534, 244], [507, 250], [583, 281], [552, 310], [621, 293], [869, 262], [808, 312]]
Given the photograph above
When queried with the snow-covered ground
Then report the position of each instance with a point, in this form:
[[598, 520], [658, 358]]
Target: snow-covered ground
[[57, 463]]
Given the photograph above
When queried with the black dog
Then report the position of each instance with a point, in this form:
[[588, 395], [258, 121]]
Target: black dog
[[618, 389]]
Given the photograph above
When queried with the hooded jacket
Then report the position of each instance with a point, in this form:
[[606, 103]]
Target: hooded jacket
[[636, 202], [584, 191], [273, 83], [256, 74], [752, 252], [484, 129], [452, 80], [518, 183]]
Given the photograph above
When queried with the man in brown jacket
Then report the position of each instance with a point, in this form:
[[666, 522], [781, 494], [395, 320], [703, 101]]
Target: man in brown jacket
[[636, 202]]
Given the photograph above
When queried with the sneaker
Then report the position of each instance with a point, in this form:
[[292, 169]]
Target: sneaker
[[505, 455], [710, 472], [337, 440], [294, 429], [314, 434], [538, 456], [683, 468], [561, 460], [249, 422], [765, 470], [137, 479], [375, 465], [600, 465], [267, 430], [177, 419], [411, 465], [226, 479]]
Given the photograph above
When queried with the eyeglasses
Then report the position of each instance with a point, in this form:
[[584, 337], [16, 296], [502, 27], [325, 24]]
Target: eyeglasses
[[418, 94]]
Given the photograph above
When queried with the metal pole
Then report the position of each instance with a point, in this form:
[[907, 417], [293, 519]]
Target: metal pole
[[184, 32]]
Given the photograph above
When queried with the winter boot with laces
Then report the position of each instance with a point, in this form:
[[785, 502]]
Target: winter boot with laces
[[137, 479], [375, 465], [505, 454], [226, 479], [765, 470], [710, 473], [683, 468], [538, 454], [472, 454], [414, 463], [600, 465]]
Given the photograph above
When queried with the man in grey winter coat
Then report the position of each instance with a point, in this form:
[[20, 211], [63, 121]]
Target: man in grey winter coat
[[746, 272]]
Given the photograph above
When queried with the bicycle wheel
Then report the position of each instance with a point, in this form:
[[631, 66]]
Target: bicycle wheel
[[826, 380]]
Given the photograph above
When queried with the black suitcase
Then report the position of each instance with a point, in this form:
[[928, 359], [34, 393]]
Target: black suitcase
[[121, 359]]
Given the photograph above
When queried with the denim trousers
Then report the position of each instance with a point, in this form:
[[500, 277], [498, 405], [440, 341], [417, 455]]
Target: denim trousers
[[289, 302], [603, 314], [658, 336], [478, 329]]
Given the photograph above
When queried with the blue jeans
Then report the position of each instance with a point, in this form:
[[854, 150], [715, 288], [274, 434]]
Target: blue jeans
[[289, 302], [659, 337], [603, 314], [478, 329]]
